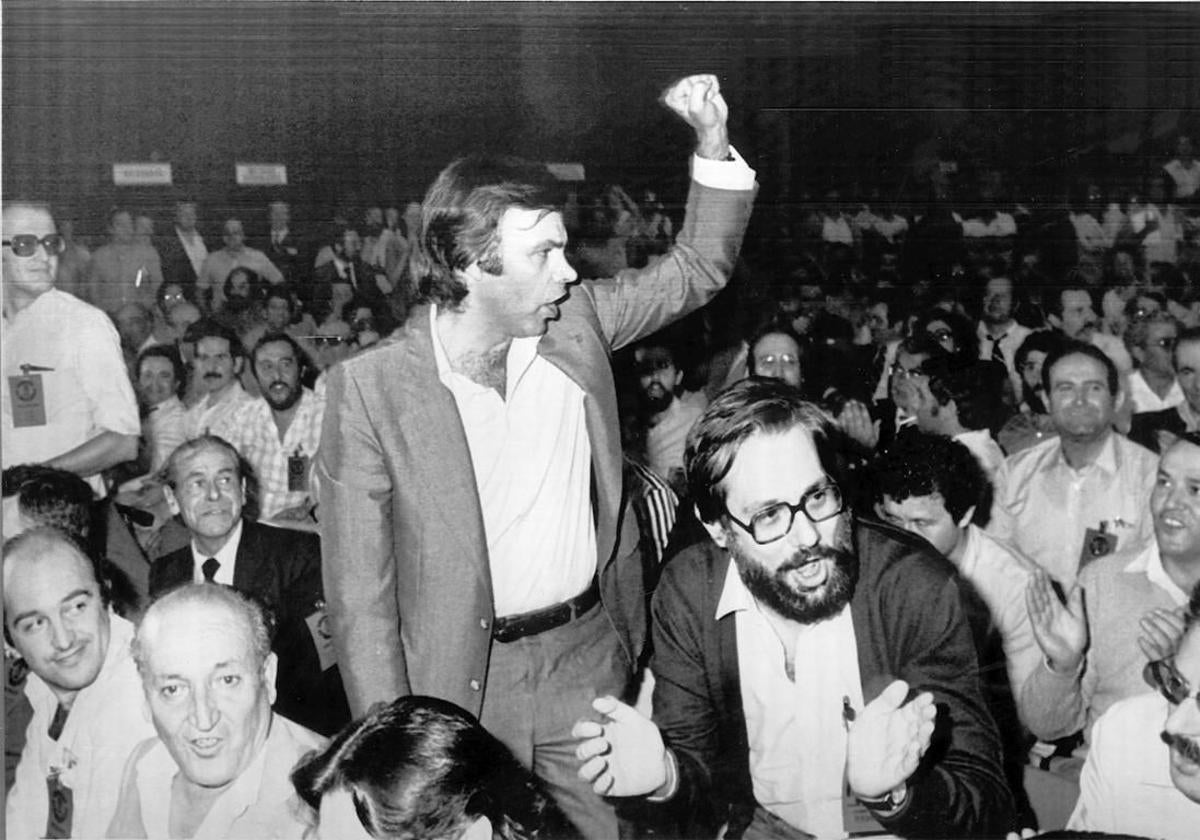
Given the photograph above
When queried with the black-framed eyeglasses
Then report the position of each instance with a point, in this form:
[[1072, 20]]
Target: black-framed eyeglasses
[[1162, 675], [782, 359], [773, 523], [26, 244]]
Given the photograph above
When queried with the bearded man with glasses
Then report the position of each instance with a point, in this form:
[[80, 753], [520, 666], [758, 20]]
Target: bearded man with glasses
[[66, 400], [1142, 775], [804, 659]]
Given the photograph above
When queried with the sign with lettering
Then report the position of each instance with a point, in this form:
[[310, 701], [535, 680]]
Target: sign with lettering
[[261, 174], [566, 171], [129, 174]]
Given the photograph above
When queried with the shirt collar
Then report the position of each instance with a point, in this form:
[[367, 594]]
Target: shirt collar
[[1106, 461], [982, 330], [1149, 563], [521, 354], [734, 595], [228, 553]]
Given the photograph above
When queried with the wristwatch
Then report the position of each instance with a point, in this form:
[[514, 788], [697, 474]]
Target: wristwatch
[[890, 801]]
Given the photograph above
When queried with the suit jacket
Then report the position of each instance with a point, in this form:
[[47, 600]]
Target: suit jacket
[[1146, 425], [292, 256], [908, 624], [282, 569], [406, 565], [176, 267]]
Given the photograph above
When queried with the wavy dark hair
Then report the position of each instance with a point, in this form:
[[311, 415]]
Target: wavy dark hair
[[422, 767]]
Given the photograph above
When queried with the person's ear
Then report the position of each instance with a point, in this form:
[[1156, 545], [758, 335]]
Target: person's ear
[[270, 668], [678, 377], [172, 502], [1054, 321], [716, 530], [238, 364]]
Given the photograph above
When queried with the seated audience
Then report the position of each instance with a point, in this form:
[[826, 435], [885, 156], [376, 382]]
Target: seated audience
[[664, 417], [1142, 775], [207, 489], [210, 285], [423, 767], [795, 625], [1094, 652], [278, 432], [242, 308], [82, 687], [220, 764], [124, 269], [1071, 499]]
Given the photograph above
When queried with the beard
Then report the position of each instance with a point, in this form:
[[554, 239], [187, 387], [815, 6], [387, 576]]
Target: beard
[[656, 399], [773, 589], [283, 402]]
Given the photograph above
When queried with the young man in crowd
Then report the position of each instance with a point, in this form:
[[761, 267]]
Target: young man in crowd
[[470, 468]]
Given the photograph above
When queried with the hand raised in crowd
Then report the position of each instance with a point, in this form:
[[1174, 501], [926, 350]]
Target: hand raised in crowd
[[1060, 629], [698, 102], [1161, 631], [624, 755], [887, 739], [855, 420]]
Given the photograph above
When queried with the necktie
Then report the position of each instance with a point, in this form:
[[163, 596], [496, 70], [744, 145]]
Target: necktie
[[350, 276], [997, 353], [209, 567], [58, 722]]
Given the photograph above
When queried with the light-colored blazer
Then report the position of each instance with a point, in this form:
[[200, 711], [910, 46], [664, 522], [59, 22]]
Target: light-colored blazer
[[405, 561]]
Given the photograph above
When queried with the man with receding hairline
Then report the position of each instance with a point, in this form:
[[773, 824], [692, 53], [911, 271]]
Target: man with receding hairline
[[82, 686], [221, 764]]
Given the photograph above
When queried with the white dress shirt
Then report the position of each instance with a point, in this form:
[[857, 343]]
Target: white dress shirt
[[795, 727], [227, 557]]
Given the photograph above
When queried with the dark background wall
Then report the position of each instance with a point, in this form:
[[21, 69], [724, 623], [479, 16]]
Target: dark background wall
[[364, 101]]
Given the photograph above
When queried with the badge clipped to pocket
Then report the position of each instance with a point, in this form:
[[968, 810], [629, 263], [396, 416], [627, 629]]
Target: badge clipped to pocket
[[1097, 543], [28, 400], [297, 472]]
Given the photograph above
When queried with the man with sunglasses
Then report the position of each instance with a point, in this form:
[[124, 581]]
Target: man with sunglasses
[[1151, 341], [1142, 775], [800, 657], [65, 400]]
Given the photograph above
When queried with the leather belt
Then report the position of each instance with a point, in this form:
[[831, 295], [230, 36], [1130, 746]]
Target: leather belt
[[513, 627]]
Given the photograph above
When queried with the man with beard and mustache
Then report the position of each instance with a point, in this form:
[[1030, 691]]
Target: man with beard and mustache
[[278, 433], [216, 365], [800, 656], [1143, 774], [1082, 495], [667, 417]]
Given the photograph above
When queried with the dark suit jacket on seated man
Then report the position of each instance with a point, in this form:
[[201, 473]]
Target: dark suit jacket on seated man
[[785, 649], [469, 473], [281, 568]]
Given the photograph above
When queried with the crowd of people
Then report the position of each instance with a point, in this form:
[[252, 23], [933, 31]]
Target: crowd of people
[[535, 510]]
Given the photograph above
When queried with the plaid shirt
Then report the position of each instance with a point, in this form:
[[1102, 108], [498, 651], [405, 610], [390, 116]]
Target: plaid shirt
[[251, 428]]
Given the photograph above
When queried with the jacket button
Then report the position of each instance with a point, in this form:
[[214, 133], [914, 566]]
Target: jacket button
[[474, 685]]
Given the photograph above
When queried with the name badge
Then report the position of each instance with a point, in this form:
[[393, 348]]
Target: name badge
[[322, 636], [61, 807], [1097, 543], [297, 473], [28, 400]]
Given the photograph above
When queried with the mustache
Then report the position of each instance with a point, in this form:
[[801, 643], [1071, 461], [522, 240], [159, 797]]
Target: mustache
[[1186, 747], [212, 375], [805, 556]]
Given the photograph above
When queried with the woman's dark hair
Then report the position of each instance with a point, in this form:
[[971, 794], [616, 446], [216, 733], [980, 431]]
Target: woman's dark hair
[[171, 353], [422, 767]]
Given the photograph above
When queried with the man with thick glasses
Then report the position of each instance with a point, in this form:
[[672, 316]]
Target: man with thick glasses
[[1142, 775], [66, 400], [800, 656]]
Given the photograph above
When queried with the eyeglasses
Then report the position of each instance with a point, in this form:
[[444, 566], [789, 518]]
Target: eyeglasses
[[1166, 343], [1164, 676], [773, 523], [906, 373], [941, 335], [772, 359], [26, 244]]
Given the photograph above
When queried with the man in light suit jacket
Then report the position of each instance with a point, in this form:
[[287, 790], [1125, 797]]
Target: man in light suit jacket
[[469, 473], [278, 567]]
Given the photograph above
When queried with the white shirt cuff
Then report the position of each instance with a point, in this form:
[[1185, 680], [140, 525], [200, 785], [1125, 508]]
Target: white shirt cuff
[[733, 174]]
